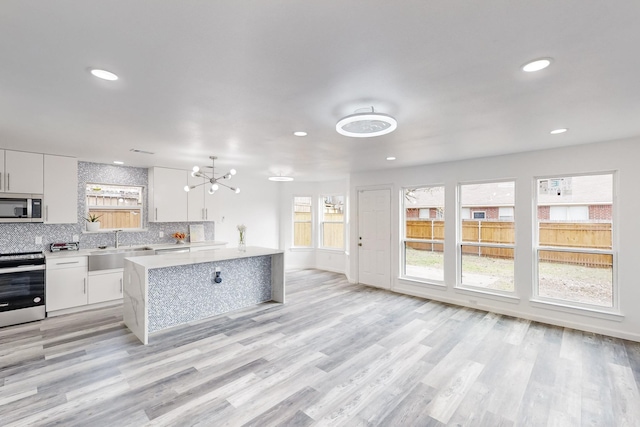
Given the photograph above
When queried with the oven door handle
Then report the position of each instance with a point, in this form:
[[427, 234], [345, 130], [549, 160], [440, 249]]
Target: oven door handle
[[21, 269]]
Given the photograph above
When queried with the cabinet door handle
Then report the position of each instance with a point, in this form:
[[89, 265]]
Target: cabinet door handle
[[120, 285], [84, 288], [206, 213], [8, 185], [202, 214], [46, 213], [68, 262], [156, 214]]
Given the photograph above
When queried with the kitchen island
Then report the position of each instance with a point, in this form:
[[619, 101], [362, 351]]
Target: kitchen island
[[167, 290]]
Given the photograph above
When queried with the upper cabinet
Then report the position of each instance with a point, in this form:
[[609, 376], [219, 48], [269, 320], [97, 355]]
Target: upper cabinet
[[200, 201], [22, 172], [168, 202], [60, 190]]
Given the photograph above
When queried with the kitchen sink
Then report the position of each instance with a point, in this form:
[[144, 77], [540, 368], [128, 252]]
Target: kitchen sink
[[108, 259]]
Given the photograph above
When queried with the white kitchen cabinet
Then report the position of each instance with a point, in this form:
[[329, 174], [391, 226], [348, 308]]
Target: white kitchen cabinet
[[60, 190], [23, 172], [168, 202], [201, 203], [105, 286], [66, 283]]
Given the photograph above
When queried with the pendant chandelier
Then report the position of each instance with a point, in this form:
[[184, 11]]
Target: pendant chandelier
[[213, 180]]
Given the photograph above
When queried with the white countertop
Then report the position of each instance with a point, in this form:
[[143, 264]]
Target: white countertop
[[85, 252], [186, 258]]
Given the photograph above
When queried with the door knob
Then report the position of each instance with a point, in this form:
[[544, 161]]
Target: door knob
[[359, 244]]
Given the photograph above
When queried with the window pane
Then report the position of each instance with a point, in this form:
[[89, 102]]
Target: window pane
[[486, 211], [117, 206], [302, 221], [302, 234], [424, 213], [111, 218], [576, 211], [332, 224], [333, 209], [333, 235], [578, 277], [424, 260], [490, 268]]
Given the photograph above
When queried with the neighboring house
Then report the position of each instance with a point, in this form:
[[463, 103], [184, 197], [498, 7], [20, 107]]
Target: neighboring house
[[580, 198]]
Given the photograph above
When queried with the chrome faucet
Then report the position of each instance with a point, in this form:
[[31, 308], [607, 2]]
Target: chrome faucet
[[117, 242]]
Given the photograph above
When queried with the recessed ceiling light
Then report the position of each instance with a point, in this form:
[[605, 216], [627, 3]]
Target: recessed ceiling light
[[118, 162], [557, 131], [391, 158], [537, 65], [103, 74], [280, 178], [300, 133]]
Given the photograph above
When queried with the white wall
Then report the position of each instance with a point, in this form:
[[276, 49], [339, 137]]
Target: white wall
[[256, 206], [619, 156], [330, 260]]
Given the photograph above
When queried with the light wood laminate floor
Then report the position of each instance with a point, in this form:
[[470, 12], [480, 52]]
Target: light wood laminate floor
[[335, 354]]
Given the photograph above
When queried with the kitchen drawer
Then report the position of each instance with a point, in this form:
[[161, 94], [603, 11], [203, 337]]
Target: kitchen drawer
[[66, 262]]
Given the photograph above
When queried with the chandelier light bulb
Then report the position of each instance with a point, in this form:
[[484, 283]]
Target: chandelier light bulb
[[237, 190], [187, 188], [211, 190], [232, 171], [215, 187]]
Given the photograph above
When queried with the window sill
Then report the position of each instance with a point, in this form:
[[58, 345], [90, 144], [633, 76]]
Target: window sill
[[604, 313], [299, 249], [332, 250], [421, 282], [487, 294]]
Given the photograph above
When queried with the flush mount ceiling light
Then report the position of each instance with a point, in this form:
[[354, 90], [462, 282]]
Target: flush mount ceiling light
[[215, 182], [103, 74], [390, 158], [300, 133], [558, 131], [280, 178], [536, 65], [366, 124]]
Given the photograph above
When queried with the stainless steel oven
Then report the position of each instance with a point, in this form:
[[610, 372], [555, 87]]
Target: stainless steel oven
[[22, 277]]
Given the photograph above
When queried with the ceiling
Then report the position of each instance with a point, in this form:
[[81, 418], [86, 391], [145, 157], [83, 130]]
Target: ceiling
[[235, 79]]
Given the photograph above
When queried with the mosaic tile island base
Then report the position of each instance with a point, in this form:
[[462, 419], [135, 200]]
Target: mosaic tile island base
[[168, 290]]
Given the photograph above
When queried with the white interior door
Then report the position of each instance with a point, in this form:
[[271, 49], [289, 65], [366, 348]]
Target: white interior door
[[374, 239]]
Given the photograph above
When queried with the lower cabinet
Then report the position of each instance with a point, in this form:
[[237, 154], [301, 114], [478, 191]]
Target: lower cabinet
[[105, 286], [66, 283], [69, 285]]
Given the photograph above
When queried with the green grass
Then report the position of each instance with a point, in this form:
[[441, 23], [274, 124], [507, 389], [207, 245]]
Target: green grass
[[562, 281]]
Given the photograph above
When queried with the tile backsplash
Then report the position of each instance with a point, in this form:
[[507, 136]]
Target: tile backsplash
[[21, 237]]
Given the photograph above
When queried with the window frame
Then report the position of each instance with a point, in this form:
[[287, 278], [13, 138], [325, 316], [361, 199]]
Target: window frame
[[322, 221], [459, 285], [404, 239], [294, 222], [140, 207], [537, 248]]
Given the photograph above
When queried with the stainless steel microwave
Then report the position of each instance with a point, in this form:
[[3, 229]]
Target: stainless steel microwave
[[20, 207]]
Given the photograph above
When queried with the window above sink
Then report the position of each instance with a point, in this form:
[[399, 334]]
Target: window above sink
[[117, 207]]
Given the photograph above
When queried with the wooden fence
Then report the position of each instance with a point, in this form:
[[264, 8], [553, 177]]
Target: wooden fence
[[333, 232], [565, 235], [117, 218]]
